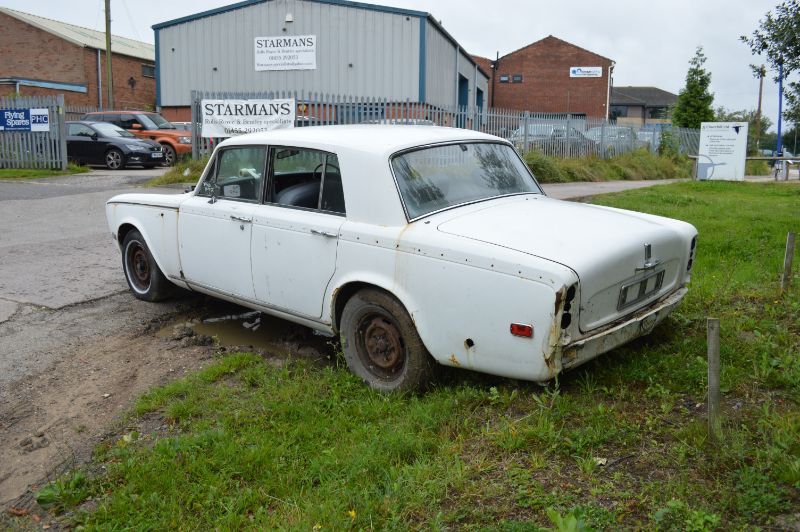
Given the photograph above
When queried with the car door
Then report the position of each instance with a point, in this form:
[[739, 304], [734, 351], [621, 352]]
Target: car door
[[98, 146], [79, 139], [215, 224], [296, 230]]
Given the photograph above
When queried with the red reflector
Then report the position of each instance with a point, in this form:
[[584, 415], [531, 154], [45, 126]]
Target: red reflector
[[517, 329]]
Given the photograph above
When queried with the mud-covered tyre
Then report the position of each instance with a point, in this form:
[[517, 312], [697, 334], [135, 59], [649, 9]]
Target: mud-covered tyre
[[381, 344], [144, 277]]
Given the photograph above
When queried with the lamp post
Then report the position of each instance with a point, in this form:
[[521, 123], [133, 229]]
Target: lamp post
[[779, 148]]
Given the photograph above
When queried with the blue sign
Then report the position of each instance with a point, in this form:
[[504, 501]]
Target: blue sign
[[24, 120]]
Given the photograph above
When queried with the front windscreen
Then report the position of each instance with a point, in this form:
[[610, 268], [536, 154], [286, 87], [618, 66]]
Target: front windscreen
[[432, 179], [110, 130]]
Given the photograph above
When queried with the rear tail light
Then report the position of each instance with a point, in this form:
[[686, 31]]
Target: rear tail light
[[566, 316], [692, 250], [525, 331]]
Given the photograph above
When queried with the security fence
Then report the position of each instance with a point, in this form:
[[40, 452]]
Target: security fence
[[554, 134], [32, 132]]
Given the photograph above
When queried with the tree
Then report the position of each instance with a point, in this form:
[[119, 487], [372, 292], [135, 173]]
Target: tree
[[694, 100], [778, 39], [754, 135]]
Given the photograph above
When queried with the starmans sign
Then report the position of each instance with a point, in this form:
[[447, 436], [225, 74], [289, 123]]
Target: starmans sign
[[228, 118], [24, 120], [585, 72], [286, 52]]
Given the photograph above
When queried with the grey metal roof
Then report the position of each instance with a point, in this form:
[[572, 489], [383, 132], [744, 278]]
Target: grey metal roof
[[644, 96], [86, 37]]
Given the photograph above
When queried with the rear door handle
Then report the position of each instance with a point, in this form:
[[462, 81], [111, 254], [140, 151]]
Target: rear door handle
[[240, 219], [323, 233]]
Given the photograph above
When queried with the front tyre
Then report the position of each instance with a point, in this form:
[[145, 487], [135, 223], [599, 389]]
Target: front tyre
[[115, 159], [169, 154], [381, 344], [144, 277]]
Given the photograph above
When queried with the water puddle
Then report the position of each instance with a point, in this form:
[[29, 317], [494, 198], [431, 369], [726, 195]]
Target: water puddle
[[232, 327]]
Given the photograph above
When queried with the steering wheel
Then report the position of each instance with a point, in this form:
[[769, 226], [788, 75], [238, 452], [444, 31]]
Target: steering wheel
[[319, 167]]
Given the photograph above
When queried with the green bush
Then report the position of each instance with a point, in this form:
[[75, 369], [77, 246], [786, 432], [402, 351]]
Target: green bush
[[757, 168], [636, 165], [184, 171]]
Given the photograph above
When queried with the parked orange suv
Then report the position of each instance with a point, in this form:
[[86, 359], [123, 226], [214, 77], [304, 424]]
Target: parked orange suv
[[147, 125]]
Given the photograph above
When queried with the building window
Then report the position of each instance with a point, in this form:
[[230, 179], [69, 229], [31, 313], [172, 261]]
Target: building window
[[504, 78], [657, 112], [148, 71], [516, 78], [617, 111]]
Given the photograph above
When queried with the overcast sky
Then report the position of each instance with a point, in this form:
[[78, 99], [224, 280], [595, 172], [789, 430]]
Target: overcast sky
[[650, 41]]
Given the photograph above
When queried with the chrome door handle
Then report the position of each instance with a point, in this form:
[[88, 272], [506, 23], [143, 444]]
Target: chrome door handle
[[323, 233], [240, 219]]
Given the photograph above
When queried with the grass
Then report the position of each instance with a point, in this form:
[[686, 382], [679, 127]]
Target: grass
[[185, 171], [618, 443], [35, 173], [636, 165]]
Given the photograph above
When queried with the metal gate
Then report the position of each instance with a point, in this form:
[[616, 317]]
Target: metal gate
[[35, 149]]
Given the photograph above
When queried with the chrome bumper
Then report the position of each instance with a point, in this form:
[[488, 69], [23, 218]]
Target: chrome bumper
[[641, 323]]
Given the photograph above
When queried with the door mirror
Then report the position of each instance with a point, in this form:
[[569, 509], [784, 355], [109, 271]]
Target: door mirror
[[94, 136], [190, 188]]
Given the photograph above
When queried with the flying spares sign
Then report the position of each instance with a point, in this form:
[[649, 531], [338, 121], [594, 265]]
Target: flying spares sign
[[228, 118], [24, 120], [585, 72], [287, 52], [722, 151]]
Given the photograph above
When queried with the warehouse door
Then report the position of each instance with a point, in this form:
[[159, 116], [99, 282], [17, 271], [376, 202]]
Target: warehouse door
[[463, 101]]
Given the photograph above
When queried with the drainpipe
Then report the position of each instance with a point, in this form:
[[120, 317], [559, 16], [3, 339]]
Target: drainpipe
[[494, 74], [99, 83], [610, 86]]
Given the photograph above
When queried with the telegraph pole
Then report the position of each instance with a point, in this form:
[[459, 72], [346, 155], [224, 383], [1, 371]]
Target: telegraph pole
[[761, 72], [109, 83], [780, 108]]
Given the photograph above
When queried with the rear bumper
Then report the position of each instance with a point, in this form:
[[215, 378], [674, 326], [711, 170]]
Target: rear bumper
[[640, 324]]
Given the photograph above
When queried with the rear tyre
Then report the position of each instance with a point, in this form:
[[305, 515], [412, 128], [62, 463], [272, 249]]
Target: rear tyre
[[144, 277], [169, 154], [115, 159], [381, 344]]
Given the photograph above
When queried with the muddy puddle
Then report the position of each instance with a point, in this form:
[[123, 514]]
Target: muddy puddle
[[234, 327]]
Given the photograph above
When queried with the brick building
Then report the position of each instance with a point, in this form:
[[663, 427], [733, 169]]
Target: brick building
[[639, 106], [46, 57], [550, 76]]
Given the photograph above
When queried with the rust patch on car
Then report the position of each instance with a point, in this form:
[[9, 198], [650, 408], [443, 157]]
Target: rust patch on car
[[454, 360]]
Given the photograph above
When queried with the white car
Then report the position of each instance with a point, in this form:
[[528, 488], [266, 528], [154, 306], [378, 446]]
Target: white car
[[416, 245]]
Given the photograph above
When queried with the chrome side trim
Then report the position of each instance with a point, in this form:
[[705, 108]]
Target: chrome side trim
[[139, 204]]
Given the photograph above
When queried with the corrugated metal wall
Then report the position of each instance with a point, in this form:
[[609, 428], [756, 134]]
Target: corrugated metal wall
[[441, 87], [383, 49]]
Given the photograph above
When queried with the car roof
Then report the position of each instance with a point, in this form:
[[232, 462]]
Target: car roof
[[127, 111], [369, 137]]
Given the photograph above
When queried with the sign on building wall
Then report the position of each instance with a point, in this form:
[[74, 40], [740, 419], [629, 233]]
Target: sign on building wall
[[24, 120], [287, 52], [228, 118], [722, 151], [586, 72]]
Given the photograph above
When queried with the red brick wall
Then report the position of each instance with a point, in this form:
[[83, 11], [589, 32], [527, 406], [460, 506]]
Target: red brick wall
[[177, 114], [486, 64], [28, 52], [546, 85]]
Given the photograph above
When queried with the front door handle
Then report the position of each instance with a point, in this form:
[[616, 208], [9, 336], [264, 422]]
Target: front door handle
[[240, 219], [323, 233]]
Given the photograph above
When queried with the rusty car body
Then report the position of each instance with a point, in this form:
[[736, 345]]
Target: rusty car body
[[416, 245]]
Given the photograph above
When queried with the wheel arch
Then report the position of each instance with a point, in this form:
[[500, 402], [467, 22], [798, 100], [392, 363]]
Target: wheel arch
[[344, 292], [126, 226]]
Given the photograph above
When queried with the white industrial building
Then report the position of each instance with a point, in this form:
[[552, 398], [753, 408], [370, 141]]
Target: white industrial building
[[333, 47]]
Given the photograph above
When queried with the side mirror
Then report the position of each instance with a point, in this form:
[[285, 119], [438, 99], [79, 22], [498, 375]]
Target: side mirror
[[136, 125], [94, 136], [190, 188]]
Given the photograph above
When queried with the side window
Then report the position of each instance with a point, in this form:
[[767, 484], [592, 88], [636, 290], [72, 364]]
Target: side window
[[127, 121], [114, 119], [79, 130], [237, 174], [307, 179]]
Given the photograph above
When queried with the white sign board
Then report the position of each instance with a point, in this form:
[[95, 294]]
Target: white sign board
[[228, 118], [722, 152], [586, 72], [287, 52]]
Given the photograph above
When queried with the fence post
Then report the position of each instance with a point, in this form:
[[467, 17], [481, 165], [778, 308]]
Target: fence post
[[712, 335], [603, 151], [568, 136], [195, 139], [653, 147], [786, 278], [525, 132], [62, 131]]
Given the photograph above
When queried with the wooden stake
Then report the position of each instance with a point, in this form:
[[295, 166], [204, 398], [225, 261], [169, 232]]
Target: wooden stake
[[787, 262], [714, 421]]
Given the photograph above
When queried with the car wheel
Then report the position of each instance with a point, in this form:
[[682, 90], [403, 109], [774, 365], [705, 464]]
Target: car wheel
[[144, 277], [169, 154], [381, 344], [115, 159]]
